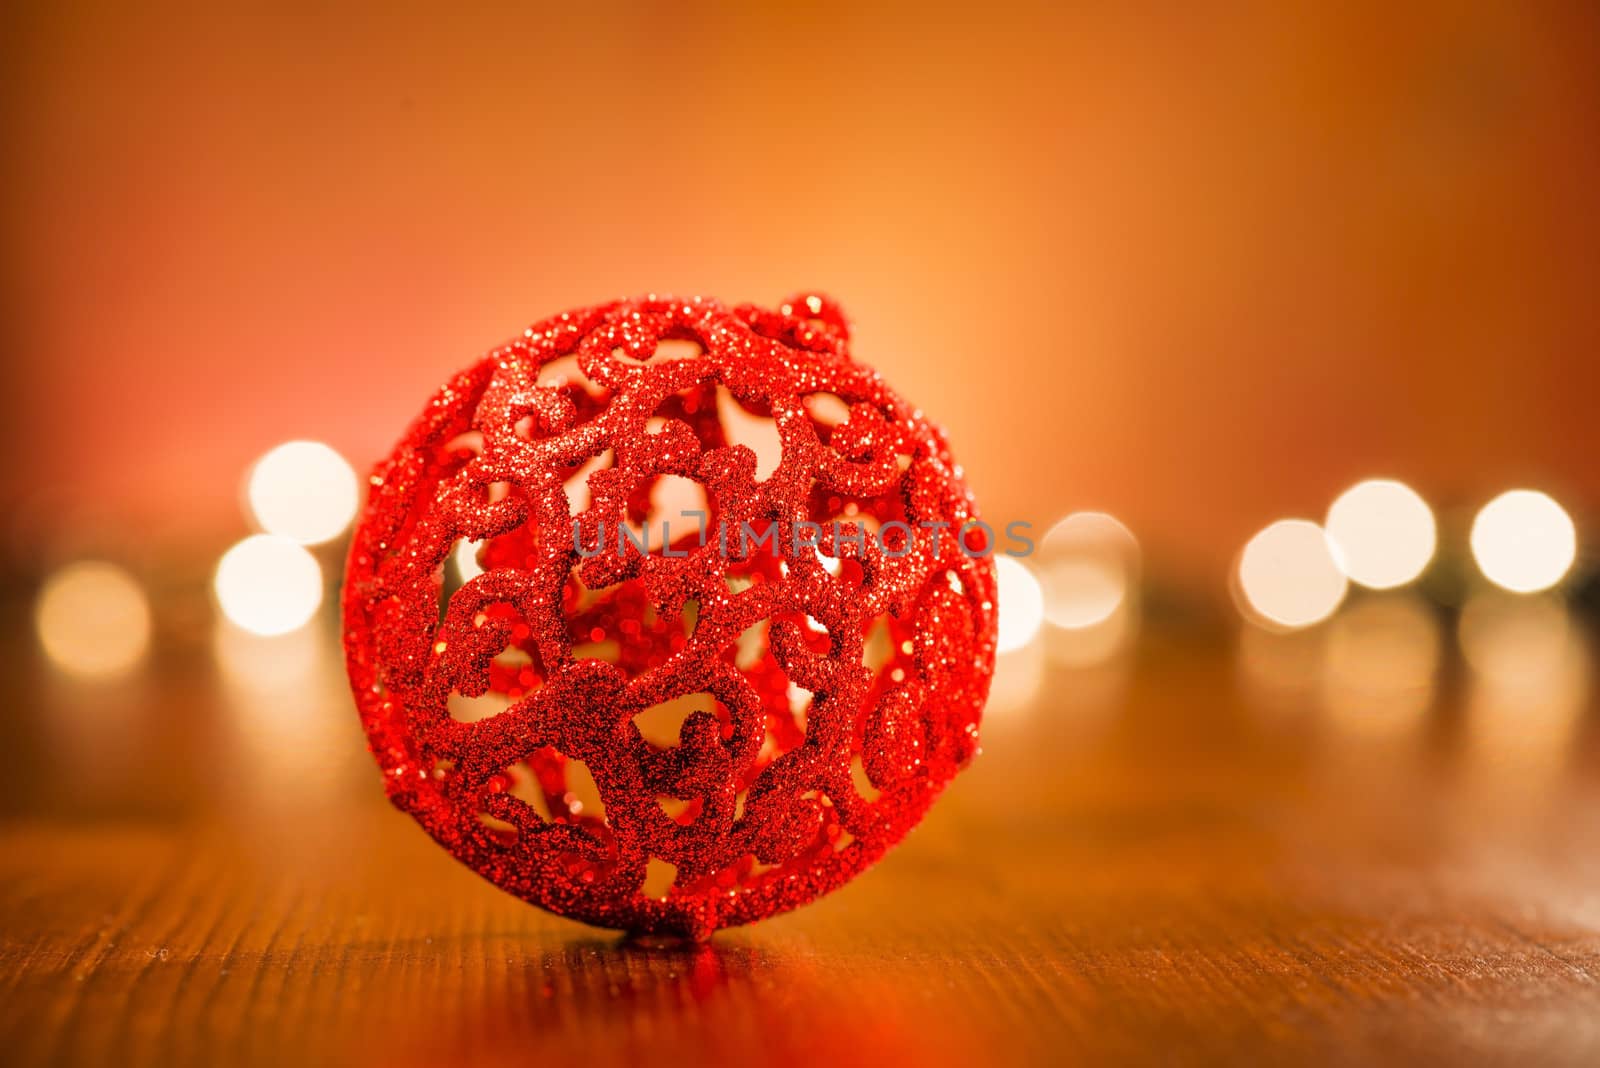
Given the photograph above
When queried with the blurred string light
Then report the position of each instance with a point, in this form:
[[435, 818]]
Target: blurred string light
[[93, 619], [1021, 604], [268, 585], [1385, 533], [303, 491], [1524, 541], [1290, 575]]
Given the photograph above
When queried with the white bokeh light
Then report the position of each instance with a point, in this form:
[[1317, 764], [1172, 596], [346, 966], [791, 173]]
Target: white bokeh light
[[1021, 604], [1086, 563], [93, 619], [268, 585], [1524, 541], [303, 491], [1385, 532], [1380, 661], [1290, 575]]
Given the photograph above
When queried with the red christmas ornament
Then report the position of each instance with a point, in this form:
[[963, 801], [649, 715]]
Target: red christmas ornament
[[821, 639]]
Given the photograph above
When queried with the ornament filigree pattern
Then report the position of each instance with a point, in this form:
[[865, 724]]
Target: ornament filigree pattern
[[683, 736]]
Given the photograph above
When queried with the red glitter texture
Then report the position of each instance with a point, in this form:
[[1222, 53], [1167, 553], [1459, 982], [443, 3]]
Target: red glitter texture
[[679, 742]]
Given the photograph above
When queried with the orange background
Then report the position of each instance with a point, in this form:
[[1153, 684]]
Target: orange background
[[1200, 269]]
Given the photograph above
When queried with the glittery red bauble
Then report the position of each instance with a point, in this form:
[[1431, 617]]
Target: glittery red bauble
[[696, 735]]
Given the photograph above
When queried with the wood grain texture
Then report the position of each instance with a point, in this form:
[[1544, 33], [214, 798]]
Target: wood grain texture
[[1150, 863]]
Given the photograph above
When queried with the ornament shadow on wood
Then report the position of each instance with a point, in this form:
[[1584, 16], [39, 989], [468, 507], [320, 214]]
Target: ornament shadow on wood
[[676, 735]]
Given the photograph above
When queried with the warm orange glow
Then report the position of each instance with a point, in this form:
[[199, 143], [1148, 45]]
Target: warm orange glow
[[1187, 275], [93, 619]]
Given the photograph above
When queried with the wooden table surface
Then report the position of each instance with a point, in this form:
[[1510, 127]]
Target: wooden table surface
[[1201, 852]]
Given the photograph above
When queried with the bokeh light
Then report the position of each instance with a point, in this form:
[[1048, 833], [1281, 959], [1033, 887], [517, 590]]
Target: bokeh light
[[1527, 647], [268, 585], [1524, 541], [1021, 604], [1385, 532], [1289, 575], [267, 665], [1280, 669], [1380, 662], [93, 619], [1531, 677], [1086, 563], [303, 491]]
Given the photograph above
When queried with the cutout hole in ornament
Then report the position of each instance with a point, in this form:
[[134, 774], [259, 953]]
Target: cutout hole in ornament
[[827, 410], [465, 445], [525, 788], [586, 599], [453, 573], [499, 830], [678, 510], [862, 781], [662, 725], [680, 810], [513, 658], [606, 649], [751, 646], [800, 700], [559, 372], [476, 709], [758, 433], [677, 348], [784, 731], [581, 799], [465, 561], [878, 647], [567, 376], [696, 407], [659, 875], [576, 484]]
